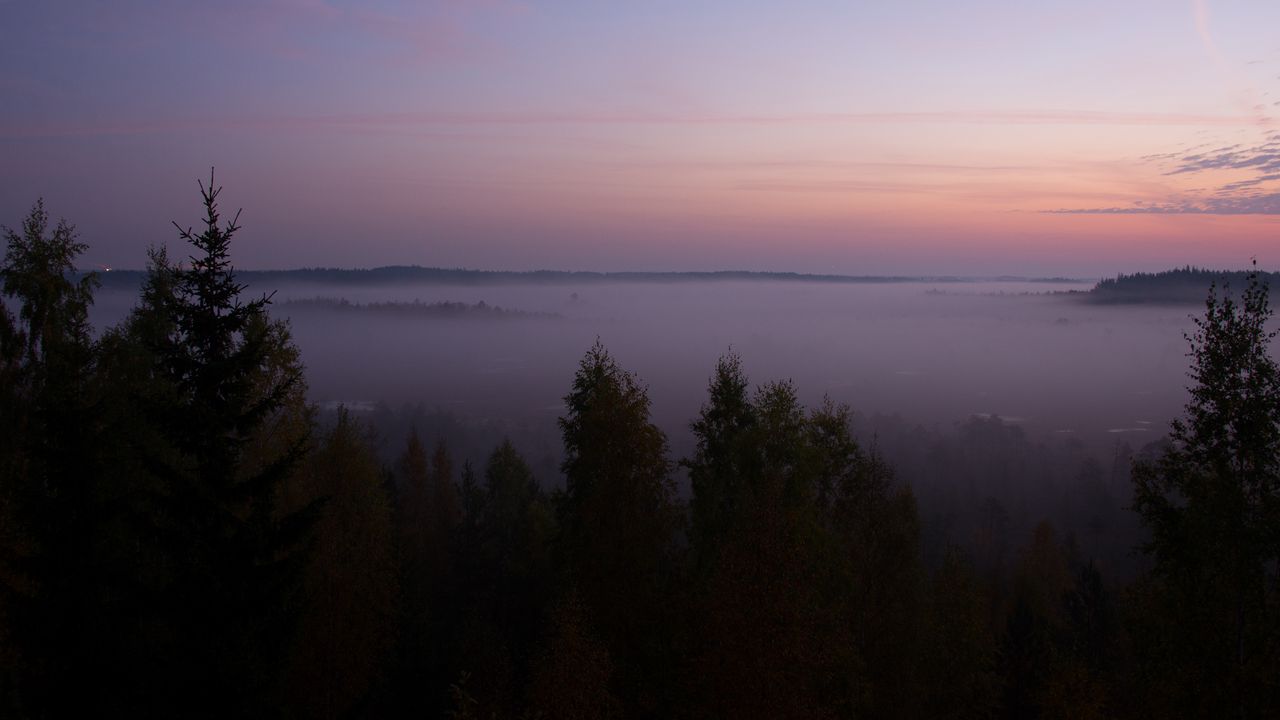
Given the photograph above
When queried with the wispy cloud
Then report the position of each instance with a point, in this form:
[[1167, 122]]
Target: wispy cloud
[[1239, 196], [1255, 204], [1263, 158]]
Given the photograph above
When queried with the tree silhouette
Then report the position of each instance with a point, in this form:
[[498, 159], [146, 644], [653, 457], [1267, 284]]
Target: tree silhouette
[[1212, 506], [232, 565], [348, 606], [617, 517], [722, 460], [50, 436]]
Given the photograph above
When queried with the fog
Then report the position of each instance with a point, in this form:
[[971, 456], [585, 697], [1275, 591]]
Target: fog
[[930, 353], [999, 403]]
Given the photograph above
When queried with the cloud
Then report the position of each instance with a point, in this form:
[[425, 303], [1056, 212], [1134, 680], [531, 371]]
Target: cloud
[[1264, 158], [1239, 196], [1252, 204]]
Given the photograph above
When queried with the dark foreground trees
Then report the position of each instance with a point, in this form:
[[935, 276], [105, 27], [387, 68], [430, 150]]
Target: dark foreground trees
[[181, 534], [148, 567], [52, 582], [808, 581], [1212, 505], [231, 565], [617, 522]]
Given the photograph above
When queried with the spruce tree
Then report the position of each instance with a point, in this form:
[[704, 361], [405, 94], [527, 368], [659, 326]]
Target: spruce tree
[[230, 562]]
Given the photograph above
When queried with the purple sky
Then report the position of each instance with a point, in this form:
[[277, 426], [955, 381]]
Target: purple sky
[[1077, 138]]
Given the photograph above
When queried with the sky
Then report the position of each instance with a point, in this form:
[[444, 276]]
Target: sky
[[1053, 138]]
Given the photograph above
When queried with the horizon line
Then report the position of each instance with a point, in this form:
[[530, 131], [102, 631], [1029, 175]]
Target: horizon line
[[778, 274]]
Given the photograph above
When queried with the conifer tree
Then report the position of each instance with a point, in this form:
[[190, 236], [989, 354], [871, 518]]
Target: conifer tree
[[348, 604], [416, 652], [231, 577], [504, 581]]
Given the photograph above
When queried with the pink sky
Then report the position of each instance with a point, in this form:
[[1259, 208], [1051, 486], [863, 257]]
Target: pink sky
[[1055, 138]]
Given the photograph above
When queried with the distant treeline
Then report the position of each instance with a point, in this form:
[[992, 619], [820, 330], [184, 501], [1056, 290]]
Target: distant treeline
[[413, 274], [417, 308], [1184, 285]]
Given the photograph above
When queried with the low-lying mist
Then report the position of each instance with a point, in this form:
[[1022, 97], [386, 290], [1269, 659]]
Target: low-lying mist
[[1000, 403], [933, 354]]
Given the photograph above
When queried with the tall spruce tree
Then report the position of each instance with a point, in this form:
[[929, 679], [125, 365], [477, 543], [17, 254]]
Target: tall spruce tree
[[231, 561]]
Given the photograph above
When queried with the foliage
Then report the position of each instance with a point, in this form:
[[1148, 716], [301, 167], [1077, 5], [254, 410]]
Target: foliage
[[173, 542], [809, 560], [1181, 285], [1212, 505], [49, 437], [348, 604], [617, 517], [230, 559]]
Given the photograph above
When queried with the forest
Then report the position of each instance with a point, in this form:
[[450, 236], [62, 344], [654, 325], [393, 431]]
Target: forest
[[182, 534], [417, 308], [1180, 286]]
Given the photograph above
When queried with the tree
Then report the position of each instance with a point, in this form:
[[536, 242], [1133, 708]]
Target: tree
[[617, 517], [1030, 653], [809, 582], [504, 581], [417, 654], [39, 271], [445, 512], [349, 600], [51, 506], [230, 560], [1212, 506], [572, 678], [719, 464], [427, 519], [959, 665]]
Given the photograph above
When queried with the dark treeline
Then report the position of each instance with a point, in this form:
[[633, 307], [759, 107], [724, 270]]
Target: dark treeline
[[981, 485], [984, 485], [181, 536], [414, 274], [416, 308], [1186, 285]]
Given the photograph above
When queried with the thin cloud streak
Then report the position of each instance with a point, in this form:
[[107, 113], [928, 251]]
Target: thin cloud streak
[[1258, 204], [1237, 197]]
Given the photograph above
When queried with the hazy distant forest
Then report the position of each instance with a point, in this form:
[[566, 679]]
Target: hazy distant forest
[[183, 535]]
